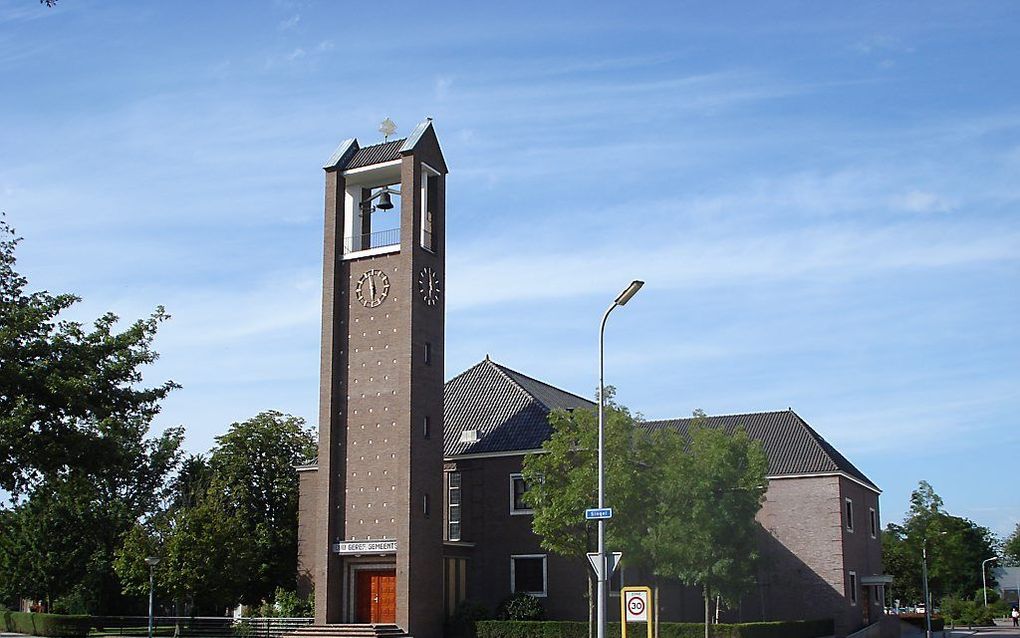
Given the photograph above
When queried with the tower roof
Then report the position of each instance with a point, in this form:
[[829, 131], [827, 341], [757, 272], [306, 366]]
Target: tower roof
[[349, 154]]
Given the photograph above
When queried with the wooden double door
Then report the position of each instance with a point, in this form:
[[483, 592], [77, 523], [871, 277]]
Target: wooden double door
[[376, 596]]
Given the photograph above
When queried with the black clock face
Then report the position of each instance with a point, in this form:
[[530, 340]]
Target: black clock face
[[372, 288], [428, 285]]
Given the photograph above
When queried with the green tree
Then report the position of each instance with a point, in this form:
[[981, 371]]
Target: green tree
[[203, 557], [563, 482], [70, 399], [1011, 546], [253, 476], [74, 448], [704, 530], [230, 532], [955, 546]]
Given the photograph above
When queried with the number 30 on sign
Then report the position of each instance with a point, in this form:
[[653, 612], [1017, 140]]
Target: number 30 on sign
[[636, 602]]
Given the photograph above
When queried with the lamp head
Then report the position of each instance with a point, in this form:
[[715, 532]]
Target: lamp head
[[629, 292], [152, 561]]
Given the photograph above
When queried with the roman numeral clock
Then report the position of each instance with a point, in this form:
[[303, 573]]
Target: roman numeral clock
[[370, 534]]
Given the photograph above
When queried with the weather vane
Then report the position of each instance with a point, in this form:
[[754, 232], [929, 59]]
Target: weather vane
[[387, 127]]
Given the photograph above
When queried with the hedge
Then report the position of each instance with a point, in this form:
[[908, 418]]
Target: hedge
[[575, 629], [52, 625], [918, 620]]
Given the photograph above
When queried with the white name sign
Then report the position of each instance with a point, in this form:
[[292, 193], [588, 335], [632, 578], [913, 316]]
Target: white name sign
[[365, 547]]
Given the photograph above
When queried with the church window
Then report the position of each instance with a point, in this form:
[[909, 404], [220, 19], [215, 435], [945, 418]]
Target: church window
[[853, 588], [453, 507], [518, 487], [528, 574], [849, 515]]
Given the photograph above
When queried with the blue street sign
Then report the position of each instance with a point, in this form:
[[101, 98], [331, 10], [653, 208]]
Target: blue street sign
[[595, 514]]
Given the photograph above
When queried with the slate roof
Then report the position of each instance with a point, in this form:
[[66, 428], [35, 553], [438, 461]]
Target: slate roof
[[790, 444], [376, 154], [509, 411]]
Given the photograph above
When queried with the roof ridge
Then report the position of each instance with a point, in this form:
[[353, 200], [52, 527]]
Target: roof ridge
[[502, 372], [546, 384], [454, 378], [394, 141], [720, 416], [835, 455]]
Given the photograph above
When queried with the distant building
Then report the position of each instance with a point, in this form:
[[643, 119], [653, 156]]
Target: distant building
[[414, 503], [1009, 583]]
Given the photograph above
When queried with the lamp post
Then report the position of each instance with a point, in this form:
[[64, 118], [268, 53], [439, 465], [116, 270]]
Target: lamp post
[[984, 582], [151, 561], [602, 576]]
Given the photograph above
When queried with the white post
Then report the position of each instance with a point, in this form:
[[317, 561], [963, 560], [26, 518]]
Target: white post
[[984, 581]]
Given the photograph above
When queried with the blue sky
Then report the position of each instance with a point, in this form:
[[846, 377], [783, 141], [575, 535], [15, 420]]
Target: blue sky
[[822, 198]]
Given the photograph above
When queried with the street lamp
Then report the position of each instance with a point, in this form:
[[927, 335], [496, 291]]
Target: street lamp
[[602, 575], [151, 561], [984, 582]]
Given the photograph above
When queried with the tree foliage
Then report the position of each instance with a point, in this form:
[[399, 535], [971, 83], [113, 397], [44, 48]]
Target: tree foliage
[[704, 530], [1011, 546], [74, 448], [230, 533], [956, 547], [684, 508]]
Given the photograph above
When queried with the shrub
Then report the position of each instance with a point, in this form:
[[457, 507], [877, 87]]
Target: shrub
[[461, 624], [574, 629], [917, 620], [521, 607], [53, 625]]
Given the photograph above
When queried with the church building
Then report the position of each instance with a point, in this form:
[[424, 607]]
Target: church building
[[414, 502]]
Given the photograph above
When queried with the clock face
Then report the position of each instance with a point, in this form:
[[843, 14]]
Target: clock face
[[372, 288], [428, 285]]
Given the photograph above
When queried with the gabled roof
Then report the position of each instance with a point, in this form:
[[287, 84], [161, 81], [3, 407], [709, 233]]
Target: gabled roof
[[376, 154], [791, 446], [350, 155], [508, 410]]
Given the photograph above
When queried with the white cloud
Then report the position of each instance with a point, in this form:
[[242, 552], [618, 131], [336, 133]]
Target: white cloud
[[918, 201], [290, 22]]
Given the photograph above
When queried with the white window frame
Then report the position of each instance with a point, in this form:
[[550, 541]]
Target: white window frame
[[852, 582], [873, 522], [545, 574], [513, 511], [426, 172], [450, 506], [848, 514]]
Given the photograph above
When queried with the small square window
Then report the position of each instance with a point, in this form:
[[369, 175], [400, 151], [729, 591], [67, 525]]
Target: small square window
[[873, 521], [849, 515], [853, 588], [518, 487], [528, 575]]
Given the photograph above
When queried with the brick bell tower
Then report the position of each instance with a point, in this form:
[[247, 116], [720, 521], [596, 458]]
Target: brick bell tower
[[376, 554]]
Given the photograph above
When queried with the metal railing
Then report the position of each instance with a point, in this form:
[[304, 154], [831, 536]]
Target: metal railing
[[367, 241], [196, 627]]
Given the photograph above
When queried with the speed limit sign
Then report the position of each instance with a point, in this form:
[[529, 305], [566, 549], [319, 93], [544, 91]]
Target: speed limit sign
[[636, 604]]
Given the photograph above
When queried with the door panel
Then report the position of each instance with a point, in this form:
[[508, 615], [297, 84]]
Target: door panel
[[376, 596]]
